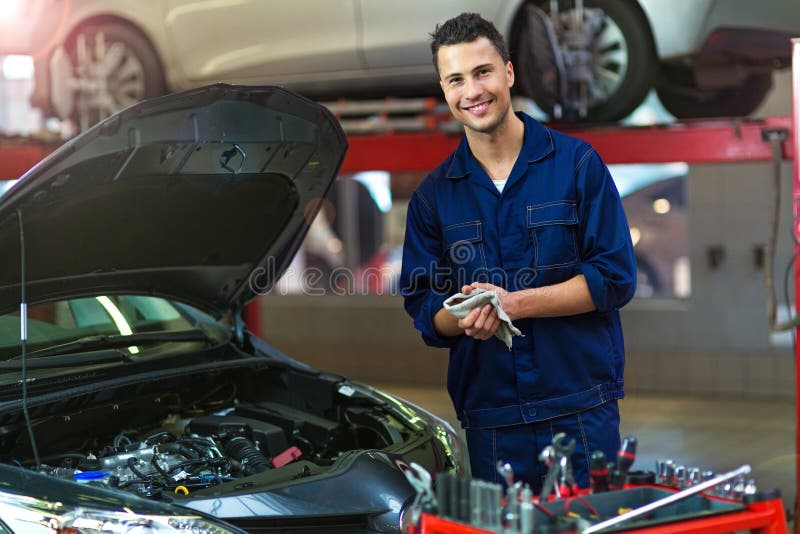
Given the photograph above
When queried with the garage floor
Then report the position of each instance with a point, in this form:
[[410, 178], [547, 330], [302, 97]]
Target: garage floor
[[711, 433]]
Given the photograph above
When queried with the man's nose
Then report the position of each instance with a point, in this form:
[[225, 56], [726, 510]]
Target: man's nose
[[474, 88]]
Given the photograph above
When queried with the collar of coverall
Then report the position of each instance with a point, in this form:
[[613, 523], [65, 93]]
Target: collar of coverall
[[538, 142]]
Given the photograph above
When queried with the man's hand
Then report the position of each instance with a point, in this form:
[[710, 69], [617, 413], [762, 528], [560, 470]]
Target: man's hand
[[570, 297], [508, 300], [481, 323]]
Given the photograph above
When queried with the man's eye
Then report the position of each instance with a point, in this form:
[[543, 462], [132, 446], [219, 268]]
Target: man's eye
[[455, 81]]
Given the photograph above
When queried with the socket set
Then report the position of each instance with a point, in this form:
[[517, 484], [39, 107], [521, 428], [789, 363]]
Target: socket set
[[673, 475]]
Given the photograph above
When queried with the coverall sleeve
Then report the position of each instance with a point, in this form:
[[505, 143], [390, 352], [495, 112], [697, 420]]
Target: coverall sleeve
[[607, 260], [424, 283]]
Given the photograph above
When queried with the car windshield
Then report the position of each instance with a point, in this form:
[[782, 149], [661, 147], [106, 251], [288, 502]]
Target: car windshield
[[66, 321]]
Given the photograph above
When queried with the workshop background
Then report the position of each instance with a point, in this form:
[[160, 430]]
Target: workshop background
[[708, 383]]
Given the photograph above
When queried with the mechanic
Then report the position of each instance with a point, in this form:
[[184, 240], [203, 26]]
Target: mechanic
[[534, 215]]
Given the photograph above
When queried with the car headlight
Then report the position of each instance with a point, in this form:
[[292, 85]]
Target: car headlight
[[27, 515]]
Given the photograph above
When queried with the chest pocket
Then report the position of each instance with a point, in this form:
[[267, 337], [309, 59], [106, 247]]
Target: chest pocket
[[552, 227], [464, 250]]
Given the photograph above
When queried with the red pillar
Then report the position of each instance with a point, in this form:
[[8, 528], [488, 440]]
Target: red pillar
[[796, 232], [252, 317]]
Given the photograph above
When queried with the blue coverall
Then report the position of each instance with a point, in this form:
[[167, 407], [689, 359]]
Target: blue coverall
[[559, 216]]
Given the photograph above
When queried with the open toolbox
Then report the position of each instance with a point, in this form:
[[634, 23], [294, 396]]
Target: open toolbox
[[672, 499], [762, 513]]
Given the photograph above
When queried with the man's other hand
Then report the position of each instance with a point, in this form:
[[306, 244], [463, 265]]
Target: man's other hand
[[481, 323]]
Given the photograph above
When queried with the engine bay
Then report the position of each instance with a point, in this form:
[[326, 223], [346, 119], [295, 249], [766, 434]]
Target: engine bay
[[177, 436]]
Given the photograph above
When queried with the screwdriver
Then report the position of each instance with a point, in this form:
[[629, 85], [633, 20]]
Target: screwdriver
[[625, 458], [598, 472]]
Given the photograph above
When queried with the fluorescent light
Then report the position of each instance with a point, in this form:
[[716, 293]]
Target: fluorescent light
[[18, 67], [119, 320]]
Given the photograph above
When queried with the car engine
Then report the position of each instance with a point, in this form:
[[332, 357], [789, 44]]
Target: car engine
[[172, 438]]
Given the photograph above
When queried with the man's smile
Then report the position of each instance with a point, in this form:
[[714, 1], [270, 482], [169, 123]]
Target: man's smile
[[479, 108]]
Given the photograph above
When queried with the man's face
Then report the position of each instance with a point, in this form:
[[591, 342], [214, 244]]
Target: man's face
[[476, 84]]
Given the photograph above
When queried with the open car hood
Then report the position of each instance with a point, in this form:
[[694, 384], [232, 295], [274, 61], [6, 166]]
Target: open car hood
[[202, 196]]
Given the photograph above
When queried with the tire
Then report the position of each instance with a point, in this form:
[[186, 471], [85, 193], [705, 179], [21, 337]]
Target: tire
[[624, 46], [684, 100], [131, 71]]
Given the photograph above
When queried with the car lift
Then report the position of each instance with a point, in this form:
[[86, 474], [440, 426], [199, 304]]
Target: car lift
[[397, 147]]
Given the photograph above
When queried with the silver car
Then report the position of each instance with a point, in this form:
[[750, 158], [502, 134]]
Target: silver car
[[589, 60]]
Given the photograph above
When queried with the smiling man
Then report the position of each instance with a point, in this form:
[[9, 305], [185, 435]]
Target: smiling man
[[533, 215]]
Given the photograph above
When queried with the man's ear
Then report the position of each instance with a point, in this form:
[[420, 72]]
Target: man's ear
[[510, 74], [441, 84]]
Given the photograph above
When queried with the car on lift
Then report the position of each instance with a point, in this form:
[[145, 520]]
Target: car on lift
[[585, 60], [131, 392]]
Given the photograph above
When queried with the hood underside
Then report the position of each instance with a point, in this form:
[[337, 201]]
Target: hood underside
[[202, 196]]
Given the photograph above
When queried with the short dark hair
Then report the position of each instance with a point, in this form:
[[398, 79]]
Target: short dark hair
[[466, 28]]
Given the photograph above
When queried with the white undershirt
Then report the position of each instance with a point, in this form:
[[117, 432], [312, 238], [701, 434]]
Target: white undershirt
[[500, 184]]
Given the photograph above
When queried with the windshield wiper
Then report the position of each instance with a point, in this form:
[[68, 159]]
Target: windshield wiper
[[117, 341], [69, 360]]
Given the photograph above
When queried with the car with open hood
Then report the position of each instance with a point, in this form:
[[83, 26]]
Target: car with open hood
[[132, 396]]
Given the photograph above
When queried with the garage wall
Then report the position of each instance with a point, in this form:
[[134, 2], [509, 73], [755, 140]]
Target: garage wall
[[716, 342]]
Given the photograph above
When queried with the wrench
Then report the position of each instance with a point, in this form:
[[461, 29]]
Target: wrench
[[421, 481], [564, 450], [556, 457], [506, 472], [548, 457]]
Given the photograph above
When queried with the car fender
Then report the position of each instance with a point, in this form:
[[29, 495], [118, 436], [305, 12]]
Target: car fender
[[146, 17], [677, 27]]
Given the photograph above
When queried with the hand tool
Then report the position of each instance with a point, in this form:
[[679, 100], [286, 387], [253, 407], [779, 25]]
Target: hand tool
[[497, 499], [465, 498], [526, 512], [598, 472], [738, 487], [491, 507], [694, 476], [454, 506], [511, 511], [726, 490], [750, 488], [421, 481], [475, 499], [642, 510], [506, 472], [563, 450], [559, 474], [679, 478], [548, 457], [443, 494], [625, 458], [666, 472]]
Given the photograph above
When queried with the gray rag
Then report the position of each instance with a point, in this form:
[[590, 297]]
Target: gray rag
[[461, 304]]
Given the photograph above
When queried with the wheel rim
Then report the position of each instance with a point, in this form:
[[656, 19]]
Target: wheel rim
[[609, 59], [109, 77], [609, 56]]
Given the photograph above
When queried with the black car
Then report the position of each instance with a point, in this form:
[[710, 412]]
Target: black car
[[138, 401]]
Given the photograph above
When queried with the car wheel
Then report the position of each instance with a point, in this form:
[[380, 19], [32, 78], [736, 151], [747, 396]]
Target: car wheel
[[111, 66], [606, 79], [682, 98]]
